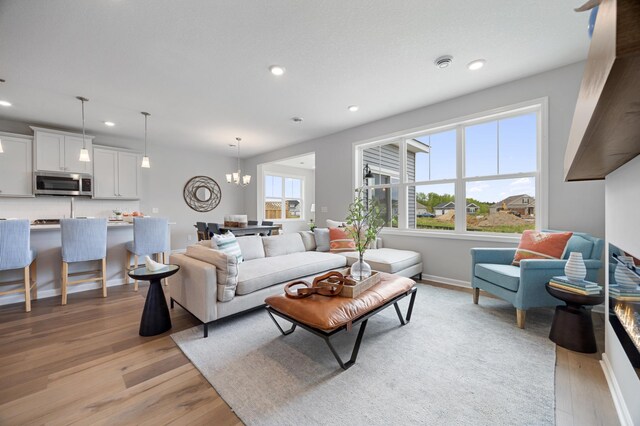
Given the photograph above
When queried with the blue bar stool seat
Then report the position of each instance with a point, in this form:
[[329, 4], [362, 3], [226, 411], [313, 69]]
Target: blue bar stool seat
[[83, 240], [16, 253], [150, 237]]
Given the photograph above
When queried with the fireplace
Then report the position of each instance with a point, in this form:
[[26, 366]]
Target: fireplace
[[624, 302]]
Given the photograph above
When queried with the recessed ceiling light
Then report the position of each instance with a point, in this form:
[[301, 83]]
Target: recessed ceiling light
[[109, 123], [443, 61], [353, 108], [276, 70], [5, 103], [476, 65], [297, 119]]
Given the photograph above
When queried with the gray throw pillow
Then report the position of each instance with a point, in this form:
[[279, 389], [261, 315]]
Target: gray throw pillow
[[308, 239], [322, 239]]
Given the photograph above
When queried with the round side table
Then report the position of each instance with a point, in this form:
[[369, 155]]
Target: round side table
[[572, 326], [155, 316]]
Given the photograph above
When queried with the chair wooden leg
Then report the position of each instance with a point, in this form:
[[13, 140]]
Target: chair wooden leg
[[127, 265], [104, 277], [65, 278], [476, 295], [520, 315], [27, 290], [135, 264], [34, 279]]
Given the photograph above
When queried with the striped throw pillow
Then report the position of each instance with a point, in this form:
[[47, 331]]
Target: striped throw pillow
[[541, 245], [227, 244], [340, 241]]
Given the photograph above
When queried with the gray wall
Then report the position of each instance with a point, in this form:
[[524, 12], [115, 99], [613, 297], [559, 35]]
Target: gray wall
[[443, 258]]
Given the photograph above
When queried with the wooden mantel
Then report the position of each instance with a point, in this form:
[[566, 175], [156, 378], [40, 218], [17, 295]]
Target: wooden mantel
[[605, 133]]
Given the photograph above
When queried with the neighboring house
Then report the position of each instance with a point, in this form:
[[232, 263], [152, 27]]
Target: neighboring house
[[523, 204], [421, 208], [443, 208]]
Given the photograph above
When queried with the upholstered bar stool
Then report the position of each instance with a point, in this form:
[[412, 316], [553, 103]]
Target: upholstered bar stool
[[83, 240], [16, 253], [150, 237]]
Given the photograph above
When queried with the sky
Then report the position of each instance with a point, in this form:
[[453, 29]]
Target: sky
[[273, 187], [515, 152]]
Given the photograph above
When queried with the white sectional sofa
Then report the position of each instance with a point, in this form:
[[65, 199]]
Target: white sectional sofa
[[211, 285]]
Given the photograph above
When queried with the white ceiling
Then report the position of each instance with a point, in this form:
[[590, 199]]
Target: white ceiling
[[200, 67], [307, 161]]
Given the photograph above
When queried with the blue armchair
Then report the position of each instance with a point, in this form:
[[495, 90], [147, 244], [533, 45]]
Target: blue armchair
[[523, 286]]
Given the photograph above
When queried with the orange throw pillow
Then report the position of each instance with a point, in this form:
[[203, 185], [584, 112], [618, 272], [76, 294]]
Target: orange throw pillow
[[541, 245], [340, 241]]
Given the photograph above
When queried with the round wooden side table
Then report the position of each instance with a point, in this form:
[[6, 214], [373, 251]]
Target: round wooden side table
[[572, 326], [155, 316]]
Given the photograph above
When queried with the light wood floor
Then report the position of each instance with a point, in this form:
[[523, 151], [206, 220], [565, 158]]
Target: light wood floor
[[84, 363]]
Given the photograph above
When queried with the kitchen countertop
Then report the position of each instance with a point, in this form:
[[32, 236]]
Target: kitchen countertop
[[57, 226]]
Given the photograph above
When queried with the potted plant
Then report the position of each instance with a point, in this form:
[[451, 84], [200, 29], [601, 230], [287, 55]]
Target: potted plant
[[364, 222], [118, 214]]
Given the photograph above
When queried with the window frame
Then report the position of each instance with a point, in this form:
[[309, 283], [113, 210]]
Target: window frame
[[262, 198], [540, 106]]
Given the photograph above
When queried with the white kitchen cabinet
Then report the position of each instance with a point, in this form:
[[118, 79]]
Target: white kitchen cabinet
[[16, 170], [57, 151], [116, 174]]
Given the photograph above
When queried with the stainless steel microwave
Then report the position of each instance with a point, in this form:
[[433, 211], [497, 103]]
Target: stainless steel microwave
[[69, 184]]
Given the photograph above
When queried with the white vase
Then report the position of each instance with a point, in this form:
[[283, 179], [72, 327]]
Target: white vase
[[575, 269], [360, 270], [625, 278]]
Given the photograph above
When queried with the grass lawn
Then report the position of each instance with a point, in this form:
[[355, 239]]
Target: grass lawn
[[433, 223]]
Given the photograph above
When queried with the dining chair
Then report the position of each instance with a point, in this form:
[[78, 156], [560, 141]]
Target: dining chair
[[150, 237], [212, 228], [267, 223], [252, 222], [203, 234], [83, 240], [16, 253]]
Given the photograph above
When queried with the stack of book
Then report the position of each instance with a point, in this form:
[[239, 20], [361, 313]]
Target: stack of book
[[579, 287], [624, 294]]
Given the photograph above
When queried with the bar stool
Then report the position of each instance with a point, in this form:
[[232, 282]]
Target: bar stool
[[16, 253], [83, 240], [150, 236]]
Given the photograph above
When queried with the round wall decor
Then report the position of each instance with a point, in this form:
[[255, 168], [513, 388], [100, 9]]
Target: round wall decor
[[202, 193]]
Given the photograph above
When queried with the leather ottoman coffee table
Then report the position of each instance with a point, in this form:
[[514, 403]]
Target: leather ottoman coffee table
[[326, 316]]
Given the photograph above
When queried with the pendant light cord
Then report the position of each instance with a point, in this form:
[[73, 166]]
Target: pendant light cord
[[238, 157], [145, 135], [84, 145]]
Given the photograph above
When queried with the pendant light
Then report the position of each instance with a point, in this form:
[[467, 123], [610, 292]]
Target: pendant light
[[235, 176], [84, 152], [145, 160]]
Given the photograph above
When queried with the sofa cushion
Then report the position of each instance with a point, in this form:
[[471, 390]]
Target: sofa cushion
[[579, 244], [261, 273], [322, 239], [279, 245], [386, 259], [228, 244], [335, 223], [251, 247], [541, 245], [505, 276], [308, 239], [340, 241], [226, 269]]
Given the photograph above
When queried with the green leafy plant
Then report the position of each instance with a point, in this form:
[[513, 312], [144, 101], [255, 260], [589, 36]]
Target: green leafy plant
[[364, 221]]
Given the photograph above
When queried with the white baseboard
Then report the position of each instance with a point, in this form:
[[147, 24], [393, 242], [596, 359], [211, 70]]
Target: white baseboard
[[621, 407], [53, 292], [444, 280]]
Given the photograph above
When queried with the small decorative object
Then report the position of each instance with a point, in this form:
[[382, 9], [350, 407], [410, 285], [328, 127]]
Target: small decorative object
[[623, 275], [202, 194], [575, 269], [153, 265], [118, 214], [364, 222], [312, 225], [235, 221]]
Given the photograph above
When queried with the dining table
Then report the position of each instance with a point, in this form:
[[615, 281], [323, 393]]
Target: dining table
[[249, 229]]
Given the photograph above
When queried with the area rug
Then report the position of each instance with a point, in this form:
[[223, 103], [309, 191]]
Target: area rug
[[454, 363]]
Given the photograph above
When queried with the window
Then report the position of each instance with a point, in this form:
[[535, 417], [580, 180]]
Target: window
[[491, 161], [283, 197]]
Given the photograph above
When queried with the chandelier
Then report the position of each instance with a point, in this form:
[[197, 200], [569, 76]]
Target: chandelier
[[237, 177]]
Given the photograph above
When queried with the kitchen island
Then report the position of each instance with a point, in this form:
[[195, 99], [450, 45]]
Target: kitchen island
[[46, 241]]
